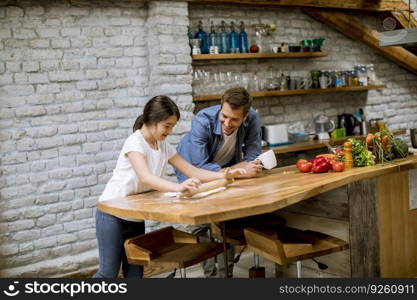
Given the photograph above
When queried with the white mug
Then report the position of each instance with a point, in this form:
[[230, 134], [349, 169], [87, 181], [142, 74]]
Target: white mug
[[324, 82], [268, 159], [307, 83]]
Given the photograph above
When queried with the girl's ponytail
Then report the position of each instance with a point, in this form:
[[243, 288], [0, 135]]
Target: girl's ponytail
[[138, 123]]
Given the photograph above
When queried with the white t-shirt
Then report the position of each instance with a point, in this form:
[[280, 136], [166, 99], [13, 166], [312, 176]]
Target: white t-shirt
[[124, 181], [227, 149]]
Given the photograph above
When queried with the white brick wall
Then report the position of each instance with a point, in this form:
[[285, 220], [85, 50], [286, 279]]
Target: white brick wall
[[397, 104], [74, 78], [72, 82]]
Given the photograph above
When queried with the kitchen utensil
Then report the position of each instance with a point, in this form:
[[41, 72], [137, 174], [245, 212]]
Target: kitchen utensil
[[205, 187], [276, 134], [195, 43], [347, 121], [317, 43], [299, 137], [376, 124], [315, 74], [413, 137], [323, 125], [305, 83], [268, 159], [325, 82]]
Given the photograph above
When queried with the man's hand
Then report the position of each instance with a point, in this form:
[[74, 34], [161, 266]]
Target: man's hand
[[252, 168], [230, 173]]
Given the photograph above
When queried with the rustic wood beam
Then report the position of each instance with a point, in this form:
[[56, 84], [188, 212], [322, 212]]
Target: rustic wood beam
[[402, 18], [370, 5], [352, 28]]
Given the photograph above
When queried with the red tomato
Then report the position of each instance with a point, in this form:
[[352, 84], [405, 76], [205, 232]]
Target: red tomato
[[305, 167], [301, 161], [338, 166]]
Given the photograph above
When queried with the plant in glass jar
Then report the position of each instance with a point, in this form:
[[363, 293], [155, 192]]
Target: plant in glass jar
[[263, 37]]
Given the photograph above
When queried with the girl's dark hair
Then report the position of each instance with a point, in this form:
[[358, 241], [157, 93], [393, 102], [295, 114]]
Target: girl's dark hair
[[157, 109]]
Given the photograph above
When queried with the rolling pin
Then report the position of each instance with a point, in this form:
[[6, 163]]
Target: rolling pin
[[205, 187]]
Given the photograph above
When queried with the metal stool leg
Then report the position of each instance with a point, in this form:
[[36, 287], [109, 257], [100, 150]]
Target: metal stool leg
[[256, 260], [298, 269]]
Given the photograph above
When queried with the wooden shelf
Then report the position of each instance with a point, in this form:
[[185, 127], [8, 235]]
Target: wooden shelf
[[198, 98], [316, 144], [201, 57]]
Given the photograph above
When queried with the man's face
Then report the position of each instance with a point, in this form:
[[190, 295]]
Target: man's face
[[231, 119]]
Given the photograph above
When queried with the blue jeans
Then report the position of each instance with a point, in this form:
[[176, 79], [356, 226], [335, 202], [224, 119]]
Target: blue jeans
[[111, 234]]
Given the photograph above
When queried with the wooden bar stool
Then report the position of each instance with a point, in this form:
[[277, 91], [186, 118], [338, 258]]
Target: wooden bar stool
[[287, 245], [169, 248], [236, 237]]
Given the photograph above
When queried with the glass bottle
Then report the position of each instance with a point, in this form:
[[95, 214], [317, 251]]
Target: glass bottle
[[213, 46], [200, 34], [243, 39], [233, 39], [224, 39]]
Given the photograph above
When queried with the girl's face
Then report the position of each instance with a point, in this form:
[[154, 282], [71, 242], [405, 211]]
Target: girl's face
[[164, 128]]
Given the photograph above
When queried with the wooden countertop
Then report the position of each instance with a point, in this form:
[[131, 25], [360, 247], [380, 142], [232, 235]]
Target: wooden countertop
[[274, 190]]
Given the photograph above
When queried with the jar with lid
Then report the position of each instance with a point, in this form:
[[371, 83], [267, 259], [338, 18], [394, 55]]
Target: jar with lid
[[332, 76], [362, 75], [344, 77], [371, 74], [338, 79], [353, 78]]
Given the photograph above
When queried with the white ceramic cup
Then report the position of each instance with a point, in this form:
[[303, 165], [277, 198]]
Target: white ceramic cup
[[268, 159], [324, 82]]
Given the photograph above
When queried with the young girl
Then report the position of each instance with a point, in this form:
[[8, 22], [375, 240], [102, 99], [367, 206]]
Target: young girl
[[139, 168]]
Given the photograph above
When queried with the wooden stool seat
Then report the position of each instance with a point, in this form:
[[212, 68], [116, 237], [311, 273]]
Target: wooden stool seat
[[235, 228], [169, 248], [289, 245]]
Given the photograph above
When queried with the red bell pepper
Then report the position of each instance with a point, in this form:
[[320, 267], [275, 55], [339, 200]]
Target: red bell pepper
[[320, 165]]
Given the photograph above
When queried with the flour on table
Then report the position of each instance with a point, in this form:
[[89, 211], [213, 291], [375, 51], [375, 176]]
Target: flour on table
[[196, 196]]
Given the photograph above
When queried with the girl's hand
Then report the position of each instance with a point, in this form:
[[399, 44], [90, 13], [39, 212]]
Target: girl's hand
[[232, 173], [189, 184]]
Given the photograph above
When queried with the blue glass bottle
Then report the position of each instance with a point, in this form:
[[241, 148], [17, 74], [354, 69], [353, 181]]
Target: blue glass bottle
[[233, 39], [243, 39], [224, 39], [213, 40], [200, 34]]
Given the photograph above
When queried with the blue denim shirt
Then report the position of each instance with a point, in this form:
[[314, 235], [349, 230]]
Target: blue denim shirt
[[200, 145]]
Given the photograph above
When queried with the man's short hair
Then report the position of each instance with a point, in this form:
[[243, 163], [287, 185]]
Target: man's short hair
[[238, 97]]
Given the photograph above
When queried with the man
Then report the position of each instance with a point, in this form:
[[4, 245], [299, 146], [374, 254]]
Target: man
[[221, 136]]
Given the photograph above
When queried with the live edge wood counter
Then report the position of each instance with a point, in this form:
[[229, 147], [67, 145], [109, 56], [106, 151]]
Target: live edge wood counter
[[383, 230], [275, 190]]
